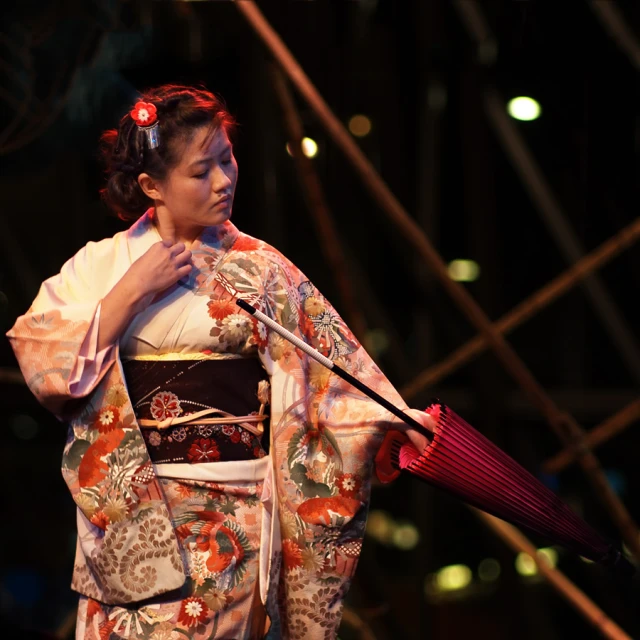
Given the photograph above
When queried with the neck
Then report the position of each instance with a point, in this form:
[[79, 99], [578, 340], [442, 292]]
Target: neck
[[168, 230]]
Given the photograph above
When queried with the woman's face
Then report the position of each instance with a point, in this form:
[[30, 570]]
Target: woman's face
[[199, 191]]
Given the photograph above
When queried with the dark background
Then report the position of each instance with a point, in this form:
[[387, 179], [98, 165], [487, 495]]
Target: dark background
[[70, 68]]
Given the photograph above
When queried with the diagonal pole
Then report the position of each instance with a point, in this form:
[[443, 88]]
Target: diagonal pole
[[542, 298], [612, 19], [575, 596], [556, 222], [547, 205], [627, 416]]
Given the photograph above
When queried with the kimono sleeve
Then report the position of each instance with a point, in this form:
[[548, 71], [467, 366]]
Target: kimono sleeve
[[326, 434], [55, 342]]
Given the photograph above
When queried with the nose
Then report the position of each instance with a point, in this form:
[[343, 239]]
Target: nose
[[221, 181]]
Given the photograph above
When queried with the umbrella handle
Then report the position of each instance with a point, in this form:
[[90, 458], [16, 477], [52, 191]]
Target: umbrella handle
[[332, 366]]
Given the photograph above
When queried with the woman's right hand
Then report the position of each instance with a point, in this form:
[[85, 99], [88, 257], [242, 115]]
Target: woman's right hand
[[155, 271], [163, 264]]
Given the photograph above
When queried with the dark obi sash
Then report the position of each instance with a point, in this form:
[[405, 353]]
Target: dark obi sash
[[165, 393]]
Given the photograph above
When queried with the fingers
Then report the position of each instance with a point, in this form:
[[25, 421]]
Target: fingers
[[419, 416], [419, 441], [184, 270], [176, 249], [183, 256]]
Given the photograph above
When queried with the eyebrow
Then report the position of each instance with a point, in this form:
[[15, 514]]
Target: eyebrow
[[208, 159]]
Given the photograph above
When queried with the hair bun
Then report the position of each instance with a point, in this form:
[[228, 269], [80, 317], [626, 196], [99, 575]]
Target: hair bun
[[125, 167]]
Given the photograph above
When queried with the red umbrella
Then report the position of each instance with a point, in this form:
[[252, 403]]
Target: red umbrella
[[463, 462]]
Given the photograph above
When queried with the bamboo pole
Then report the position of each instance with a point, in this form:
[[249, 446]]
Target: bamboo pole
[[569, 591], [528, 308], [560, 229], [597, 436], [547, 205], [564, 425], [613, 21]]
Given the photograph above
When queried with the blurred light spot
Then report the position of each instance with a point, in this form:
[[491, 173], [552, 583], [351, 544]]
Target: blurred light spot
[[376, 341], [309, 148], [525, 565], [523, 108], [23, 426], [489, 570], [550, 555], [380, 526], [406, 536], [454, 577], [463, 270], [586, 560], [360, 126]]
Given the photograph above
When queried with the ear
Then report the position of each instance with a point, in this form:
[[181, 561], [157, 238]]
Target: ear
[[149, 186]]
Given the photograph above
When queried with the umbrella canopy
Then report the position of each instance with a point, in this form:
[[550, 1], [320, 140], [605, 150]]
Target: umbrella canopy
[[463, 462]]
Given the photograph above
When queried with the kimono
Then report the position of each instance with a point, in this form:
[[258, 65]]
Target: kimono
[[300, 518]]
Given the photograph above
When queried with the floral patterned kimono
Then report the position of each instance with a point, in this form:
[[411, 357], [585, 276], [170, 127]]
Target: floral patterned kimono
[[203, 548]]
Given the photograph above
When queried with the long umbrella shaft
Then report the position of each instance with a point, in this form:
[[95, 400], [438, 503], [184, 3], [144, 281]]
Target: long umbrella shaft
[[318, 357]]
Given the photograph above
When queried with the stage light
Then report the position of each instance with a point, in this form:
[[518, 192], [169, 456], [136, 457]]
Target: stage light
[[405, 536], [525, 565], [360, 126], [453, 578], [309, 148], [489, 570], [464, 270], [523, 108]]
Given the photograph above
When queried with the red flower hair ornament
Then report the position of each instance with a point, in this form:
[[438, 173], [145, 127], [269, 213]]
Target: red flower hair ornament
[[145, 115]]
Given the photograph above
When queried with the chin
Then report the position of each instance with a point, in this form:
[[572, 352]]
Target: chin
[[219, 217]]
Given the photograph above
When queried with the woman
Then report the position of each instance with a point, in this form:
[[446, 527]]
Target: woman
[[221, 476]]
